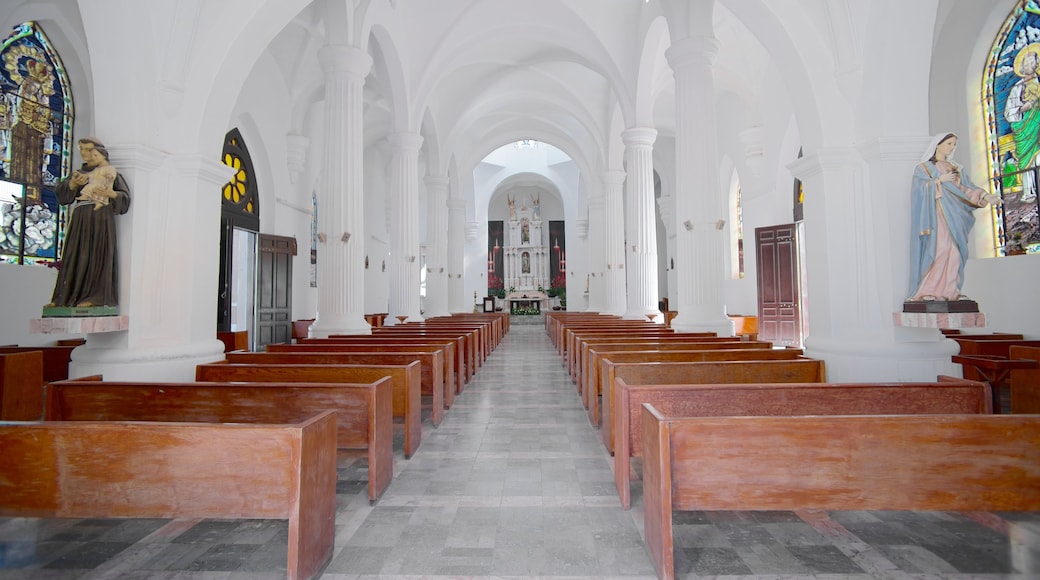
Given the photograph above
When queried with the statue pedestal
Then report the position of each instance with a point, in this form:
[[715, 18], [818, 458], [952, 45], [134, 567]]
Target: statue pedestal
[[940, 319], [79, 325], [940, 306]]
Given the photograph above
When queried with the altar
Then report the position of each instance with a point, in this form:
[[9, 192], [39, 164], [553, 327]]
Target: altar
[[527, 302]]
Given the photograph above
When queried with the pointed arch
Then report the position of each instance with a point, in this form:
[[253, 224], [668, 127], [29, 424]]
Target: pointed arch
[[1011, 81], [36, 119]]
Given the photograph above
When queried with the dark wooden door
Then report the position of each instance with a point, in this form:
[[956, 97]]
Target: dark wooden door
[[274, 290], [779, 305]]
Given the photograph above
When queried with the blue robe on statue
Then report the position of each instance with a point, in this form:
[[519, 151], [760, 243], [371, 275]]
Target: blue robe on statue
[[956, 206]]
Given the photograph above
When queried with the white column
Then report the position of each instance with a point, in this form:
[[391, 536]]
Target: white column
[[404, 228], [165, 277], [700, 211], [436, 246], [666, 205], [457, 298], [614, 282], [641, 224], [858, 268], [341, 202], [597, 253]]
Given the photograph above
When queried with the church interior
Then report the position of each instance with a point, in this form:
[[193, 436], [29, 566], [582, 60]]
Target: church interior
[[317, 170]]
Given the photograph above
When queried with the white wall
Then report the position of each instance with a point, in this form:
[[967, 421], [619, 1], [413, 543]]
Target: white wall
[[25, 291], [1006, 289]]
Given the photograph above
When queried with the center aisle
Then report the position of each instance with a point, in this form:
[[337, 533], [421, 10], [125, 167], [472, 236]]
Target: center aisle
[[514, 482]]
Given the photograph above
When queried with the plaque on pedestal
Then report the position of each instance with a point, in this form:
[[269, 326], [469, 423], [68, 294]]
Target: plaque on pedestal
[[79, 311], [940, 306]]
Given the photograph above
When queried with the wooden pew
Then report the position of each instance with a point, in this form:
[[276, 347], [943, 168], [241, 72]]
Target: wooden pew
[[431, 363], [593, 351], [985, 345], [583, 344], [363, 420], [803, 370], [1025, 383], [55, 359], [691, 352], [237, 340], [948, 395], [21, 386], [454, 351], [179, 470], [468, 340], [406, 381], [872, 462]]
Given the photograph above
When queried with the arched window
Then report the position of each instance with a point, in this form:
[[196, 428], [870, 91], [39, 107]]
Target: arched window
[[1010, 88], [240, 204], [36, 117]]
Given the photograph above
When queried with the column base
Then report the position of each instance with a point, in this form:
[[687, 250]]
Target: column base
[[720, 326], [654, 316], [884, 360], [170, 364], [325, 327]]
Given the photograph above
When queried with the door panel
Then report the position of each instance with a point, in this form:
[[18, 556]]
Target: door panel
[[274, 290], [779, 316]]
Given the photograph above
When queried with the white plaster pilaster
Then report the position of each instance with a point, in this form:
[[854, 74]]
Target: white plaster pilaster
[[597, 254], [700, 212], [456, 256], [404, 229], [341, 202], [614, 292], [436, 246], [165, 277], [640, 225], [856, 234]]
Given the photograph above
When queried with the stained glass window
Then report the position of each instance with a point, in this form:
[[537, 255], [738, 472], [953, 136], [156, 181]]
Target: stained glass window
[[240, 202], [1011, 105], [36, 118]]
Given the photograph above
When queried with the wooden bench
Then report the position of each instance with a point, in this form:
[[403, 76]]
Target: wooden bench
[[236, 340], [693, 352], [363, 421], [1025, 383], [454, 351], [431, 363], [55, 359], [406, 381], [803, 370], [583, 344], [179, 470], [946, 396], [873, 462], [21, 386], [593, 351]]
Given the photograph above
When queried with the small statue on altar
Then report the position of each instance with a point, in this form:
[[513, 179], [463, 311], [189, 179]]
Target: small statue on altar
[[512, 207], [536, 205]]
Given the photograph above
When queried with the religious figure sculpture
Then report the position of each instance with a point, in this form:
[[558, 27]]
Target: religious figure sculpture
[[512, 207], [1022, 112], [536, 205], [942, 202], [88, 276]]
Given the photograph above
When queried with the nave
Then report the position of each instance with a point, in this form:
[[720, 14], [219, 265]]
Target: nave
[[515, 483]]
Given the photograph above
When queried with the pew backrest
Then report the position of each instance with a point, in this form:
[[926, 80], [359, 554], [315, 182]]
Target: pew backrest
[[179, 470]]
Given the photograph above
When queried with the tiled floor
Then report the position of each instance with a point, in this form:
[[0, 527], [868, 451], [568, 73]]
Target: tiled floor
[[514, 483]]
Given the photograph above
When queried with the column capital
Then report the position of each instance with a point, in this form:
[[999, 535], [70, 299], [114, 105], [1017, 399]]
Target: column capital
[[894, 148], [436, 182], [822, 160], [613, 177], [405, 142], [639, 136], [345, 60], [691, 51]]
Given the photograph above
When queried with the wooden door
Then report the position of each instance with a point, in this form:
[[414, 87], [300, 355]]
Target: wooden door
[[779, 291], [274, 290]]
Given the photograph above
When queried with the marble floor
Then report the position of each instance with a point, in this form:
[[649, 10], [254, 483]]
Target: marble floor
[[515, 484]]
